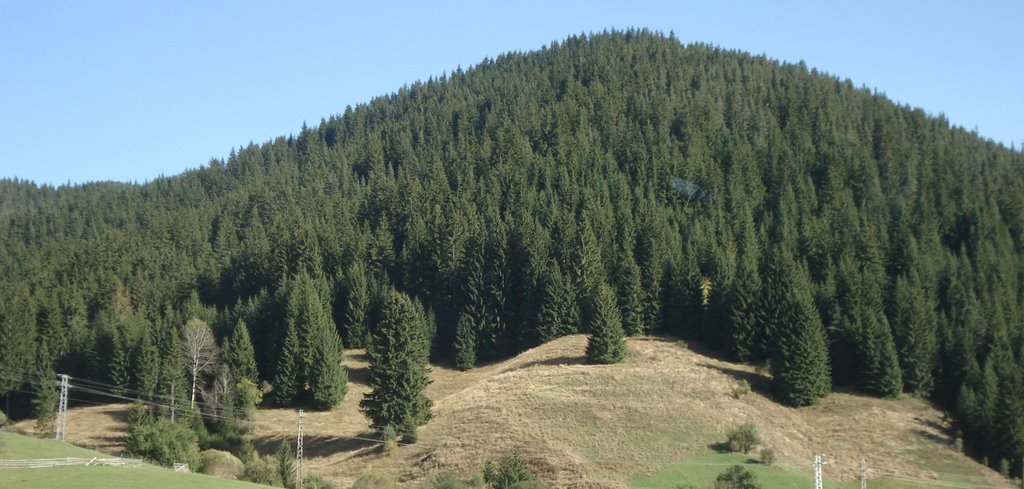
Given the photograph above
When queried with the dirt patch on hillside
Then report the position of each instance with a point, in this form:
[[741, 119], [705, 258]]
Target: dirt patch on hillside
[[100, 428]]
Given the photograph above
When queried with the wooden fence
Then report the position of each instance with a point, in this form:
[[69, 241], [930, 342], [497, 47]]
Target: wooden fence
[[41, 463]]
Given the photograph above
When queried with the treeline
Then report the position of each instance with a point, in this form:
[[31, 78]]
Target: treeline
[[769, 210]]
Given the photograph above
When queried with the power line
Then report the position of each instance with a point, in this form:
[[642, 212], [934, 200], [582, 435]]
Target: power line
[[110, 392], [98, 391]]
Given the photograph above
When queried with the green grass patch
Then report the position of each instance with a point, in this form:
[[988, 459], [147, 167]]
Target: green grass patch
[[19, 447], [701, 470], [147, 476]]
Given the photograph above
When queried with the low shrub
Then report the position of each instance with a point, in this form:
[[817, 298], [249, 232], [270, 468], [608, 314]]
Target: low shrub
[[375, 480], [445, 480], [314, 481], [164, 442], [262, 470], [285, 464], [736, 477], [390, 437], [221, 464], [768, 456], [744, 438], [741, 389], [510, 470]]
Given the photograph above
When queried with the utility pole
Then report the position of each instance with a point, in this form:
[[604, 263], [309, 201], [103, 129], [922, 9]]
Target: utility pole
[[863, 474], [62, 408], [818, 463], [298, 456]]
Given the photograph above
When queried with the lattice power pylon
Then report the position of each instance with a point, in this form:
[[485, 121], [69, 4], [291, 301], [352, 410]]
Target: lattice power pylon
[[818, 463], [298, 455], [863, 473], [62, 408]]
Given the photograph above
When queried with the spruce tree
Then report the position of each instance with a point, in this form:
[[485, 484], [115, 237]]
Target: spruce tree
[[120, 362], [479, 302], [172, 385], [239, 353], [147, 365], [465, 342], [357, 294], [328, 377], [1010, 421], [607, 343], [649, 258], [398, 369], [967, 411], [913, 330], [587, 272], [17, 338], [799, 363], [315, 363], [559, 311], [45, 396], [285, 464], [741, 322], [630, 291], [882, 374], [287, 372]]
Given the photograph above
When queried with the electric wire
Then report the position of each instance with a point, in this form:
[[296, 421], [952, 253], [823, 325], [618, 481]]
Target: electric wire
[[207, 415]]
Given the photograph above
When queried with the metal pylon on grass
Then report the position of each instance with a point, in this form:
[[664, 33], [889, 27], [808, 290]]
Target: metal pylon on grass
[[298, 455], [62, 408], [818, 463], [863, 473]]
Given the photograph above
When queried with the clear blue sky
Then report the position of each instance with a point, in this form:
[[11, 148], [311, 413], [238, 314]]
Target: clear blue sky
[[131, 90]]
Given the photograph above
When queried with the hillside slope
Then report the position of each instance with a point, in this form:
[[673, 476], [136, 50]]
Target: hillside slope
[[583, 425]]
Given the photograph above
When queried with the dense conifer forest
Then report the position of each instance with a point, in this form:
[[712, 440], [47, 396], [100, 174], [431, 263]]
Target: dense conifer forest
[[615, 183]]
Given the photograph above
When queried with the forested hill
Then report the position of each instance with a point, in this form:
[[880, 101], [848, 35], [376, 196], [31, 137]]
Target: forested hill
[[769, 210]]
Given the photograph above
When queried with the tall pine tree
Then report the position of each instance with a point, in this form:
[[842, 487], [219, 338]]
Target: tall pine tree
[[239, 353], [398, 369], [465, 342], [559, 311], [914, 327], [799, 362], [288, 371], [607, 343]]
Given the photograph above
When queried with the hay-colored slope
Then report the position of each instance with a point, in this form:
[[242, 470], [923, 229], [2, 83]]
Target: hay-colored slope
[[597, 426]]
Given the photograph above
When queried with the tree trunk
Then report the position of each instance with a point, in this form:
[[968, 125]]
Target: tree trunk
[[195, 374]]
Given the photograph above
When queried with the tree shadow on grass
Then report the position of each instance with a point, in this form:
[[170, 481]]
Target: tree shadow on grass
[[720, 447], [562, 360], [359, 375], [723, 449], [758, 383], [324, 445]]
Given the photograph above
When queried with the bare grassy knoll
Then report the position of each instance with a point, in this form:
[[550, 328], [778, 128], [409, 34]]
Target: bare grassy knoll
[[585, 425]]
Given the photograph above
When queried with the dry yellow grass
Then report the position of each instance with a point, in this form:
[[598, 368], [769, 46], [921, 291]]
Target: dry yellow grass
[[585, 425]]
